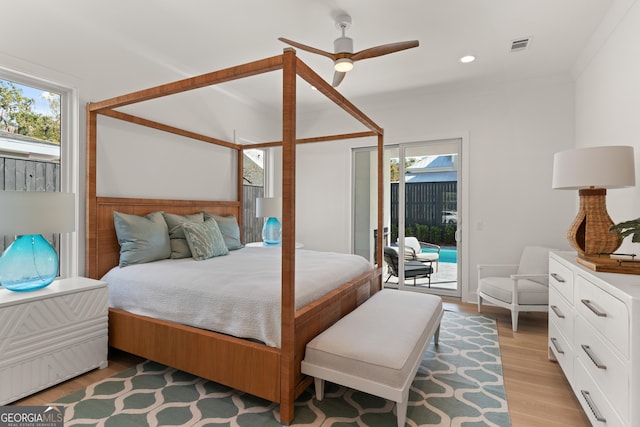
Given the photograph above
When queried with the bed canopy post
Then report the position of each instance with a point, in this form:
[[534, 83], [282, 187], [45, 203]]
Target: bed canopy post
[[240, 188], [90, 193], [287, 358], [380, 206]]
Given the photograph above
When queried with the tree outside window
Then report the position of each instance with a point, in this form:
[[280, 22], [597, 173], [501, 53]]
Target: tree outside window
[[29, 111]]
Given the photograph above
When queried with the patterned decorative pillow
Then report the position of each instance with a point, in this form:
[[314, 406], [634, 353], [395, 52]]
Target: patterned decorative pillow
[[179, 246], [141, 238], [229, 228], [204, 239]]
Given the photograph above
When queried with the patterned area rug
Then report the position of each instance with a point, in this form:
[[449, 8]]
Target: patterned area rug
[[459, 383]]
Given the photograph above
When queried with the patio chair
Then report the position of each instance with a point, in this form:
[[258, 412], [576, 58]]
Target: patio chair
[[517, 287], [415, 269], [413, 251]]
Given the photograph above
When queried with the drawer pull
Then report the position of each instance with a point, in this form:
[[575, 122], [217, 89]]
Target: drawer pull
[[593, 407], [557, 277], [593, 357], [554, 341], [557, 311], [591, 307]]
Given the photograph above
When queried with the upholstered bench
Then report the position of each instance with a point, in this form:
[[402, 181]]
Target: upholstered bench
[[377, 348]]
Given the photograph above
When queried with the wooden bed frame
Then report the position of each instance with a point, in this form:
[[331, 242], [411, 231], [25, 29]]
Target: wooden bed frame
[[267, 372]]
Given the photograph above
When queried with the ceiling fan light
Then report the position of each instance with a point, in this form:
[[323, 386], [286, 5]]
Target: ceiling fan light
[[343, 65]]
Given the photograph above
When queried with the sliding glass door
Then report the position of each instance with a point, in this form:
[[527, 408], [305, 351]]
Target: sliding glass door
[[424, 211], [421, 214]]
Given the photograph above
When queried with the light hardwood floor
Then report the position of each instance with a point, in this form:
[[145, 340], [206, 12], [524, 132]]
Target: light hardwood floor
[[537, 392]]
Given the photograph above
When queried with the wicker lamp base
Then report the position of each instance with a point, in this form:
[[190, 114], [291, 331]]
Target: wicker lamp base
[[589, 233]]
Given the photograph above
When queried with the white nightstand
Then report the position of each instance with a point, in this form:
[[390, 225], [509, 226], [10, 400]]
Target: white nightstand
[[262, 245], [50, 335]]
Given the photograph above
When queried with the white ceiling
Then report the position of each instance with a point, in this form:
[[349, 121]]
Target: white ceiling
[[118, 46]]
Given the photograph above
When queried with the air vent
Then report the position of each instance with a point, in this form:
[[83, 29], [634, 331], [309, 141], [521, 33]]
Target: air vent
[[520, 44]]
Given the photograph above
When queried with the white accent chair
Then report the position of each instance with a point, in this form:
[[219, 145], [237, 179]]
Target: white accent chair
[[517, 287], [413, 251]]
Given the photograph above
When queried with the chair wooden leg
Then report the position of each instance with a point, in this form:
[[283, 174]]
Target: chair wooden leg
[[479, 304], [514, 320]]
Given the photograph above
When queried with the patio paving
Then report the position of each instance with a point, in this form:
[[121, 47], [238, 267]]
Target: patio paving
[[445, 278]]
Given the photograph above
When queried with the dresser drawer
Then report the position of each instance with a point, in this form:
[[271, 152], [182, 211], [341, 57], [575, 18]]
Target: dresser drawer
[[561, 278], [560, 313], [606, 313], [606, 369], [562, 350], [595, 405]]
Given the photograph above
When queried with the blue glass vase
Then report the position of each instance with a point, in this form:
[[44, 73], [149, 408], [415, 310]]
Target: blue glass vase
[[29, 263], [272, 232]]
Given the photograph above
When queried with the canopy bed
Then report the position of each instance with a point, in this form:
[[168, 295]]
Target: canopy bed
[[270, 372]]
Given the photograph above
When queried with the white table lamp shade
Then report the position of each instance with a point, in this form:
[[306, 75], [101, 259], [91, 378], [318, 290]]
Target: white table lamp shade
[[597, 167], [36, 212], [268, 207], [30, 262]]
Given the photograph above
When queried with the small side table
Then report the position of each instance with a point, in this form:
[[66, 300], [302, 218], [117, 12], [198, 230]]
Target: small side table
[[50, 335], [262, 245]]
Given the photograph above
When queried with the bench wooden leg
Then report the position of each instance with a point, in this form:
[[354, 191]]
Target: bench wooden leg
[[401, 410], [319, 383], [436, 336]]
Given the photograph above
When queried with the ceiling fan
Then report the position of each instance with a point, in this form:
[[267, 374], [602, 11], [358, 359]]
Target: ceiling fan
[[344, 57]]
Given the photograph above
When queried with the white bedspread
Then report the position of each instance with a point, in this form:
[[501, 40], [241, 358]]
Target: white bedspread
[[237, 294]]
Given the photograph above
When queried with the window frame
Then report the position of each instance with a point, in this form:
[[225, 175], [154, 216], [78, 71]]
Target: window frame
[[69, 157]]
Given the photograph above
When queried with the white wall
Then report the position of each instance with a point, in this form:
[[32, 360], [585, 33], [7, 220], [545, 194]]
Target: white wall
[[134, 162], [512, 130], [608, 101]]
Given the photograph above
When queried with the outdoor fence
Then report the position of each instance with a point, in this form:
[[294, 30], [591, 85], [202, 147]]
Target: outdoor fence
[[252, 226], [425, 207]]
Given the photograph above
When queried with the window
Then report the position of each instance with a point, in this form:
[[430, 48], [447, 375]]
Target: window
[[253, 187], [38, 147]]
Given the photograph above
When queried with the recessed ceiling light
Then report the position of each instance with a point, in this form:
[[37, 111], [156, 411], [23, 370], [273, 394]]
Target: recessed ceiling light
[[467, 58]]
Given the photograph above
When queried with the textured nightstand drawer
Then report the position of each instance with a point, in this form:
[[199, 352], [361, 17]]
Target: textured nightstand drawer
[[51, 334], [562, 350], [606, 313], [560, 312], [607, 370], [561, 278]]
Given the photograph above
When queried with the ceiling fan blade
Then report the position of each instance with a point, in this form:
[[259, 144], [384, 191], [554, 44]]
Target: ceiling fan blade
[[384, 49], [337, 78], [308, 48]]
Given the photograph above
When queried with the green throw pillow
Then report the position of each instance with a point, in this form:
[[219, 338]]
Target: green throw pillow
[[229, 228], [204, 239], [179, 246], [141, 239]]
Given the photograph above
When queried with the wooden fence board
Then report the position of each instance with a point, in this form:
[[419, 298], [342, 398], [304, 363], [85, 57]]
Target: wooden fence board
[[28, 175], [425, 202]]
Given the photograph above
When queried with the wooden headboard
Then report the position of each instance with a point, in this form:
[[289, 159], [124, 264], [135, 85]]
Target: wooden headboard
[[103, 250]]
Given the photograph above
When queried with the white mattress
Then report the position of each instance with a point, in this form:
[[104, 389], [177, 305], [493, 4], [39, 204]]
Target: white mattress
[[237, 294]]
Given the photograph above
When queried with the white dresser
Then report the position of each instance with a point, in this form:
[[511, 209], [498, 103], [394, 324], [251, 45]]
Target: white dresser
[[594, 334], [50, 335]]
